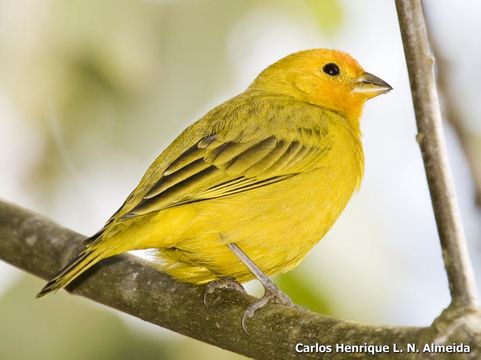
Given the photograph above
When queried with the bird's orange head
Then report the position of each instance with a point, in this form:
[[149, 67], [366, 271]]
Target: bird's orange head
[[327, 78]]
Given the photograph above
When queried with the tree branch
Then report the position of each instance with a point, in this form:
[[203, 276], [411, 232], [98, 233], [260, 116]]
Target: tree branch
[[127, 283], [431, 140], [454, 115]]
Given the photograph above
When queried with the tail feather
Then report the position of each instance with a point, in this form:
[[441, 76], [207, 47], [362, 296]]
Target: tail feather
[[86, 259]]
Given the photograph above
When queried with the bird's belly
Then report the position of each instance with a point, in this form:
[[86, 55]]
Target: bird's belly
[[274, 227]]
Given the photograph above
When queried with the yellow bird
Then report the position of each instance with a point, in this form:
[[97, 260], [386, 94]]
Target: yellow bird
[[252, 186]]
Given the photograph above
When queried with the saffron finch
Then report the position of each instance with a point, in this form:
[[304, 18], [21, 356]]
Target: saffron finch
[[246, 191]]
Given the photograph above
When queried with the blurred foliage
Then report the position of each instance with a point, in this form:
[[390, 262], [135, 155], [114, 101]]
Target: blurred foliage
[[63, 327], [328, 14], [303, 292], [67, 327], [91, 77]]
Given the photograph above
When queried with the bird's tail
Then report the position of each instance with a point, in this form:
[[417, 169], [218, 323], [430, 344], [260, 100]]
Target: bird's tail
[[86, 259]]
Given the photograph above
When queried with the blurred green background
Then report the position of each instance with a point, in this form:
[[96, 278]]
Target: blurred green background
[[92, 91]]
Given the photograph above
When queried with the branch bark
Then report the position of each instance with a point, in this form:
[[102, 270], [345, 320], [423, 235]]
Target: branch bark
[[433, 148]]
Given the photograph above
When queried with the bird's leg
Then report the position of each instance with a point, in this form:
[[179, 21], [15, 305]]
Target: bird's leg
[[271, 291], [224, 283]]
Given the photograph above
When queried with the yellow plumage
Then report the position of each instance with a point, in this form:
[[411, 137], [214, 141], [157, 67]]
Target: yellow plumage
[[269, 170]]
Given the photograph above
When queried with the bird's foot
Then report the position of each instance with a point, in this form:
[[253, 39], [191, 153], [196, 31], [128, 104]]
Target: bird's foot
[[224, 283], [271, 294]]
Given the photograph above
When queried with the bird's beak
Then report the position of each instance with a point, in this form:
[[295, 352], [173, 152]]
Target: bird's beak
[[371, 85]]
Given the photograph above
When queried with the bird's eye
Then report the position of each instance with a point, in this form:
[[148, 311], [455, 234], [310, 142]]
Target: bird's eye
[[331, 69]]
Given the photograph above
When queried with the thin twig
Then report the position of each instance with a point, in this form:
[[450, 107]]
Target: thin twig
[[431, 140], [127, 283], [454, 114]]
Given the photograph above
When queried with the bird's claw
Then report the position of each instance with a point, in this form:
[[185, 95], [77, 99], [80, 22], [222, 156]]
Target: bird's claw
[[224, 283], [270, 295]]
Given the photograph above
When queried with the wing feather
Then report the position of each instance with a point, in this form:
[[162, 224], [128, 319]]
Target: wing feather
[[214, 168]]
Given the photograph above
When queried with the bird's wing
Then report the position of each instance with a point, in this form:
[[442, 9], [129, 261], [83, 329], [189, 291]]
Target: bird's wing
[[214, 168]]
